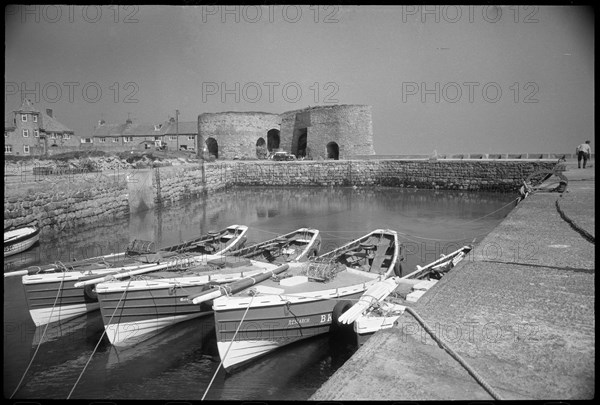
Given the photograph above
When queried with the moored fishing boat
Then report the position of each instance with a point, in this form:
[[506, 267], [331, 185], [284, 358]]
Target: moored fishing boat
[[302, 302], [136, 309], [65, 290], [295, 246], [19, 240], [383, 303]]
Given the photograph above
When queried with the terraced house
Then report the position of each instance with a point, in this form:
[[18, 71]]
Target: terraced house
[[171, 135], [31, 132]]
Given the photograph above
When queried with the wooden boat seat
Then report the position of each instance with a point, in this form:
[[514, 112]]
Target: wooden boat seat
[[355, 254], [303, 240], [227, 236], [380, 255]]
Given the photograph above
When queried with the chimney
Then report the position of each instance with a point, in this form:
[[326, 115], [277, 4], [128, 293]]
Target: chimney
[[129, 121], [101, 122], [49, 112]]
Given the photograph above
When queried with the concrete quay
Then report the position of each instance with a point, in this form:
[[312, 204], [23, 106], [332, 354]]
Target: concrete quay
[[520, 311]]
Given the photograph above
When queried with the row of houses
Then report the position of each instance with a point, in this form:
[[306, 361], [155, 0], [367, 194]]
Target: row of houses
[[29, 131], [171, 135]]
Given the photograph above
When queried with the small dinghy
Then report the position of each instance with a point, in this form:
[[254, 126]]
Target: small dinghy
[[19, 240]]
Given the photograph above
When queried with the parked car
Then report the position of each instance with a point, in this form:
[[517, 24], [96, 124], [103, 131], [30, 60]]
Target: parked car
[[282, 156]]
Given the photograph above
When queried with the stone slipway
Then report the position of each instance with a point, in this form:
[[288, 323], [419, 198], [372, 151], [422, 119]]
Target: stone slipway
[[519, 311]]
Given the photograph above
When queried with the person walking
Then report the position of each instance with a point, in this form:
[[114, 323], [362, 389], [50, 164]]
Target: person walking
[[584, 152]]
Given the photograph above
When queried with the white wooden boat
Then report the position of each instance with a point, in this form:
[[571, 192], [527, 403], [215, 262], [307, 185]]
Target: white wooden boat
[[282, 310], [19, 240], [383, 303], [61, 291], [137, 309], [295, 246]]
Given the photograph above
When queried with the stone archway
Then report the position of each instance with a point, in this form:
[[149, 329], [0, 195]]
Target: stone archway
[[273, 139], [299, 142], [261, 148], [213, 147], [333, 151]]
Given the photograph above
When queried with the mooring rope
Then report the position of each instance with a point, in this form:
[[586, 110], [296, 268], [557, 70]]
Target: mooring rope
[[455, 355], [99, 340], [41, 338], [227, 352]]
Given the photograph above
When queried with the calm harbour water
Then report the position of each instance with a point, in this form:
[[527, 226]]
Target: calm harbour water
[[179, 363]]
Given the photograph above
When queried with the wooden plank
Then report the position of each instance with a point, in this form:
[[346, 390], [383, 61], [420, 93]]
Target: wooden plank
[[380, 255]]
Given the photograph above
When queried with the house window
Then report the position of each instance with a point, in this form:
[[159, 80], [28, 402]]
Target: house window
[[67, 136], [128, 139], [36, 133], [7, 149], [157, 138], [34, 118], [173, 137], [52, 136], [102, 140], [87, 140], [115, 139], [25, 148], [191, 137], [25, 133], [24, 117]]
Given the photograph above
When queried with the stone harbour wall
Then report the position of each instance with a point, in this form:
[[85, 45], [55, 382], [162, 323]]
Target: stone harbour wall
[[83, 201], [502, 176], [77, 203], [172, 184]]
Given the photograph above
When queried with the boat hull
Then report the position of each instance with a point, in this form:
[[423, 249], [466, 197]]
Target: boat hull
[[268, 327], [133, 312], [57, 299], [22, 243]]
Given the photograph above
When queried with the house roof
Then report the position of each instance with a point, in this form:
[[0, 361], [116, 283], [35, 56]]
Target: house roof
[[184, 128], [27, 107], [50, 124], [9, 123], [145, 129]]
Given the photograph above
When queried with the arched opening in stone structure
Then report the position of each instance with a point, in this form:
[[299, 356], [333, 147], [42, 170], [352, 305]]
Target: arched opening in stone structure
[[272, 139], [299, 142], [213, 147], [302, 145], [261, 148], [333, 151]]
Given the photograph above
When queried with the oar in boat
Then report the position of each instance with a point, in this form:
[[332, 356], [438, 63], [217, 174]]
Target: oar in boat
[[72, 267], [236, 286], [51, 268], [442, 259], [377, 292], [146, 269]]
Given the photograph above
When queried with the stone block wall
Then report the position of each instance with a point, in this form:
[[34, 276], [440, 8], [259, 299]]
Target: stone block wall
[[172, 184], [77, 203], [501, 176]]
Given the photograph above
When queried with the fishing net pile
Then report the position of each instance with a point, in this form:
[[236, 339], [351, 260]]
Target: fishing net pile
[[321, 271]]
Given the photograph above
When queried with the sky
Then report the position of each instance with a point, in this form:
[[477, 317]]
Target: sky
[[450, 79]]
